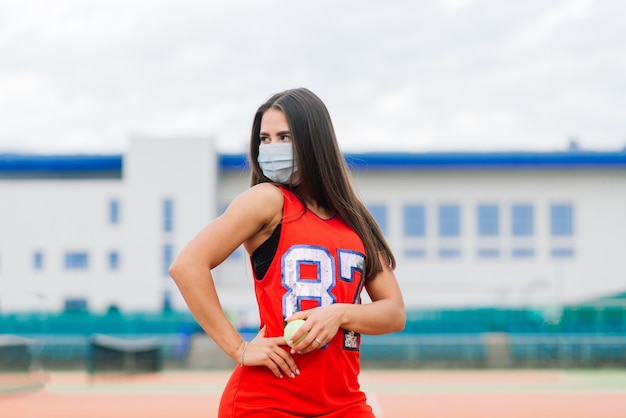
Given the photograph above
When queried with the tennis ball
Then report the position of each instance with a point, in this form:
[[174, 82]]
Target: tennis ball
[[291, 328]]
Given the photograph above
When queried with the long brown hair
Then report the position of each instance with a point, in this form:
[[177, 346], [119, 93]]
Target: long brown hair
[[323, 174]]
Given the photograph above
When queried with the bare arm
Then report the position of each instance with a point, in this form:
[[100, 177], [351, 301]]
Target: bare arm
[[245, 221], [385, 314]]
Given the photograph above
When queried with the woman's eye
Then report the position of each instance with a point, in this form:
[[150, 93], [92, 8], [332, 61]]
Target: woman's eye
[[264, 139], [285, 138]]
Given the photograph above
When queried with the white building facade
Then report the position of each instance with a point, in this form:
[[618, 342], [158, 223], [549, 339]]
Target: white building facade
[[91, 232], [468, 229]]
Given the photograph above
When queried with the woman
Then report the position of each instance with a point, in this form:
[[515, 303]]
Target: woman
[[313, 248]]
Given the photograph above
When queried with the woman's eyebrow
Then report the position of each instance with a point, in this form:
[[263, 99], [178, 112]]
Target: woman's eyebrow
[[281, 133]]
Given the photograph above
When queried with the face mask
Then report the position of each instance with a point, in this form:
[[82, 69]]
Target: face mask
[[276, 162]]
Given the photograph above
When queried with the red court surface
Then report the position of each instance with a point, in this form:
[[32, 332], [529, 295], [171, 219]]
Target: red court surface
[[393, 394]]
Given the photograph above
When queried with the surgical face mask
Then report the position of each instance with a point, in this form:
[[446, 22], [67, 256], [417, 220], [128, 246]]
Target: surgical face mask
[[276, 162]]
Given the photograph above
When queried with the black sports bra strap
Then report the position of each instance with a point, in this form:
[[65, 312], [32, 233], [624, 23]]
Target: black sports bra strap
[[262, 257]]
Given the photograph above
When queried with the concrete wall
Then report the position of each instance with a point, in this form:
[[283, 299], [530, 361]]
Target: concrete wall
[[54, 216], [596, 268]]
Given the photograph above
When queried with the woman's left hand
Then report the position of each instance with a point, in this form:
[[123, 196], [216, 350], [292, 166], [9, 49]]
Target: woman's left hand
[[321, 324]]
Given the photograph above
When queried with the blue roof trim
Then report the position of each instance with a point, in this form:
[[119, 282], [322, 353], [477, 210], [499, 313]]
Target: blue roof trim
[[22, 163], [463, 160], [17, 163], [233, 162]]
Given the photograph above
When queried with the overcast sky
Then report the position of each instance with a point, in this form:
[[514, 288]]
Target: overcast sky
[[86, 76]]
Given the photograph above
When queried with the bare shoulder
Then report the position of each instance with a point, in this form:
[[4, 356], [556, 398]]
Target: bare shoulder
[[262, 202], [257, 211], [267, 192], [263, 194]]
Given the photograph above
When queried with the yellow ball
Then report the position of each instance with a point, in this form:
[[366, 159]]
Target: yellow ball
[[291, 328]]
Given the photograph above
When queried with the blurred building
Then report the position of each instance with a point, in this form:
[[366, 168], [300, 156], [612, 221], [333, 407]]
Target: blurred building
[[468, 229], [98, 231]]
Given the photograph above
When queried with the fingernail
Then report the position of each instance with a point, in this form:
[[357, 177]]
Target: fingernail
[[281, 376], [293, 376], [298, 372]]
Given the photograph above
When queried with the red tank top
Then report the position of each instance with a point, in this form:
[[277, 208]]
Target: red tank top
[[318, 262]]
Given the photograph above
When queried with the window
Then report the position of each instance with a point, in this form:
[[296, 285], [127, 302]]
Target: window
[[379, 212], [449, 230], [449, 221], [38, 260], [76, 261], [561, 220], [523, 253], [522, 229], [449, 253], [562, 230], [168, 215], [488, 220], [562, 252], [414, 221], [168, 258], [488, 230], [76, 305], [522, 220], [114, 260], [114, 211]]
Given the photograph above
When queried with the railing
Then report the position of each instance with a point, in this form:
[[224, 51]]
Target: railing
[[579, 336]]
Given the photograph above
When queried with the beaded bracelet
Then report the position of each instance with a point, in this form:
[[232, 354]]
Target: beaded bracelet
[[243, 351]]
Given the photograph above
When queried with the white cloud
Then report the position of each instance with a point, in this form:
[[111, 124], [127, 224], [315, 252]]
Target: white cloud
[[455, 5], [539, 30], [449, 74]]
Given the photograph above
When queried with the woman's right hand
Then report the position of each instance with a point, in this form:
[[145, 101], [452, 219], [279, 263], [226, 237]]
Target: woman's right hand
[[268, 352]]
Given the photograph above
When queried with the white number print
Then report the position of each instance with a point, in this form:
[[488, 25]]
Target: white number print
[[349, 262], [318, 288]]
